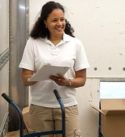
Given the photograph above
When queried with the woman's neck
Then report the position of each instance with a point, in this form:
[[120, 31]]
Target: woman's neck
[[55, 40]]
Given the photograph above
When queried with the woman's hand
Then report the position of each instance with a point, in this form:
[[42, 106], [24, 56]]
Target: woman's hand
[[26, 75], [60, 79], [78, 81]]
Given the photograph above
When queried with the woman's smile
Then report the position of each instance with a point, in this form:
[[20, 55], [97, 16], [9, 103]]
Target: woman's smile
[[55, 23]]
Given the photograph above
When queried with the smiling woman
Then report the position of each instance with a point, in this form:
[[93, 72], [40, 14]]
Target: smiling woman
[[55, 23], [50, 41]]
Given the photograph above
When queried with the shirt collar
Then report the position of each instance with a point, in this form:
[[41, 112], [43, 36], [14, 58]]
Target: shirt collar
[[66, 38]]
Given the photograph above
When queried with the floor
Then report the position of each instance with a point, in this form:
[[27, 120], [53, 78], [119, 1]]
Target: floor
[[12, 134]]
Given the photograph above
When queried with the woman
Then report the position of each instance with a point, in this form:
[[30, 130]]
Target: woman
[[52, 41]]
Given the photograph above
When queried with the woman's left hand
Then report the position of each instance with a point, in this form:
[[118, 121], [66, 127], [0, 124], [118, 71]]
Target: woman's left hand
[[59, 79], [78, 81]]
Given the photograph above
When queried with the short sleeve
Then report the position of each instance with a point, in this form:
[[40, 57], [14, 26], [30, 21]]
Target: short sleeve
[[81, 61], [27, 61]]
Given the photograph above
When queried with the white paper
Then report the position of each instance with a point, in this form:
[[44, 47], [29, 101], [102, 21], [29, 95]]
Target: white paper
[[47, 70]]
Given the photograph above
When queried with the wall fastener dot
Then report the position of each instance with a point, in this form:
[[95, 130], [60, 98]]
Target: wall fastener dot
[[95, 68], [123, 68], [109, 68]]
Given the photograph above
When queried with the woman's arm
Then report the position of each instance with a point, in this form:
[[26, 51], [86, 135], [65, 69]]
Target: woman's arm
[[78, 81], [26, 74]]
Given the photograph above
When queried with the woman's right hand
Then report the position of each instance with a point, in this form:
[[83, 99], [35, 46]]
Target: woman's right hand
[[26, 75]]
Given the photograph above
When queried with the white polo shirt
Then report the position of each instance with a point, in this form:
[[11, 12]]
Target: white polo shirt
[[38, 52]]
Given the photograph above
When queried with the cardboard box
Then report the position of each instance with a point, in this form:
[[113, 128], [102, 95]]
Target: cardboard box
[[113, 120], [112, 117]]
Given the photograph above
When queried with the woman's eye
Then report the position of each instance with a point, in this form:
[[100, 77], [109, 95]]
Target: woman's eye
[[54, 20], [62, 19]]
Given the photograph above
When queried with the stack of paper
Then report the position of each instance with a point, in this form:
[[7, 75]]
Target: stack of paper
[[46, 71]]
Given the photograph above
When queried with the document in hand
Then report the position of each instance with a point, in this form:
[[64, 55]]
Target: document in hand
[[47, 70]]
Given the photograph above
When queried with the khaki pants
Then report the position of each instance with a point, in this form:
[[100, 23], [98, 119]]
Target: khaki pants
[[46, 119]]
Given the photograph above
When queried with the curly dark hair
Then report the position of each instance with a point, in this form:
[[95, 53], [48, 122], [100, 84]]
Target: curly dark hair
[[39, 30]]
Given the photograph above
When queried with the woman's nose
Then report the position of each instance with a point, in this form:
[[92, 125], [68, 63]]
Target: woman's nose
[[59, 22]]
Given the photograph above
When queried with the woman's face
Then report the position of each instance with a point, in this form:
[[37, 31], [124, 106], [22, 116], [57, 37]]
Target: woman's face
[[55, 23]]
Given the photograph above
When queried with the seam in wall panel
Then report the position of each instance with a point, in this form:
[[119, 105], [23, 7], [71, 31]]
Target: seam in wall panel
[[4, 57]]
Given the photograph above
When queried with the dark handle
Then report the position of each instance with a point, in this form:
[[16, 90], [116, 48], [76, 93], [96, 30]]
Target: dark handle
[[6, 97], [12, 103], [62, 109], [57, 94]]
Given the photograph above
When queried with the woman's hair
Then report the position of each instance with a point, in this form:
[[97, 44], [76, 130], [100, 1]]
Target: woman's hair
[[39, 28]]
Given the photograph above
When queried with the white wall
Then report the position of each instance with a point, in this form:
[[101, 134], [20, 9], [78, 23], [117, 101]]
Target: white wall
[[100, 26], [86, 96], [4, 65], [4, 25]]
